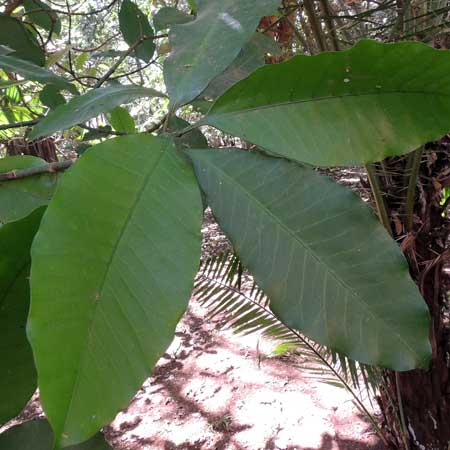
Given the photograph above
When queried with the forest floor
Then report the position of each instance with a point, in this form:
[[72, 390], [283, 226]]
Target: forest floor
[[214, 390]]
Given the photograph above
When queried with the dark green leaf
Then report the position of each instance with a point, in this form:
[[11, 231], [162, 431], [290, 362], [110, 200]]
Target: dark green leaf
[[85, 107], [17, 374], [81, 148], [100, 132], [34, 73], [18, 198], [193, 139], [320, 254], [42, 15], [121, 120], [132, 207], [14, 35], [134, 26], [168, 16], [51, 96], [37, 435], [205, 47], [359, 105]]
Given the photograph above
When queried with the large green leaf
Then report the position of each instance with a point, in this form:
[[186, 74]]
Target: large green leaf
[[33, 72], [14, 35], [17, 372], [37, 435], [359, 105], [320, 254], [42, 15], [18, 198], [205, 47], [134, 26], [113, 267], [85, 107]]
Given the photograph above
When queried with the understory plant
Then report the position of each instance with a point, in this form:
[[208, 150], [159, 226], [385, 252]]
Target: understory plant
[[99, 253]]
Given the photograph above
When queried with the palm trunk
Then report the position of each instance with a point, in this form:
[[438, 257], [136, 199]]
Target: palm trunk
[[416, 404]]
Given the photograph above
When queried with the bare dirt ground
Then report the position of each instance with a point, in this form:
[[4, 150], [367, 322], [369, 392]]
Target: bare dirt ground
[[213, 390]]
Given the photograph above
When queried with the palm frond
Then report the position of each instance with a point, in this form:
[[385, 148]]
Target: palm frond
[[227, 291]]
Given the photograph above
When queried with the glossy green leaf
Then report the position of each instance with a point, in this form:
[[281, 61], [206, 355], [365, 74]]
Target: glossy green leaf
[[113, 266], [205, 47], [251, 57], [42, 15], [37, 435], [33, 72], [168, 16], [134, 26], [17, 374], [18, 198], [51, 96], [320, 254], [121, 120], [85, 107], [14, 35], [359, 105]]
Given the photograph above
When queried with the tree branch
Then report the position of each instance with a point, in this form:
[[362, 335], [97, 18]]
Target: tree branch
[[47, 168], [26, 123]]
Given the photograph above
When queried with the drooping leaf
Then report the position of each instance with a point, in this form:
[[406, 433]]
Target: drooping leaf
[[193, 139], [121, 120], [42, 15], [134, 26], [133, 208], [320, 254], [250, 58], [37, 435], [168, 16], [14, 35], [17, 374], [18, 198], [85, 107], [32, 72], [360, 105], [205, 47], [51, 96]]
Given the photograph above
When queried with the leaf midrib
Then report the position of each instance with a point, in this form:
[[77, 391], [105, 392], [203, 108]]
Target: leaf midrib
[[315, 256], [103, 280], [317, 99]]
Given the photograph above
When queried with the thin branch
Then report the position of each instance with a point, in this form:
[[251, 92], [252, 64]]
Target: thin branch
[[26, 123], [47, 168]]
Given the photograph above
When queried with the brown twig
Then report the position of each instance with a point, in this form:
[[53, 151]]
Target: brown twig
[[47, 168]]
